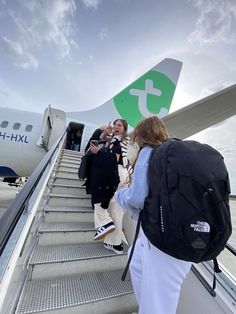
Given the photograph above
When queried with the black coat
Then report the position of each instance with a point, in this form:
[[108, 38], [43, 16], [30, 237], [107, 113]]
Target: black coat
[[104, 177]]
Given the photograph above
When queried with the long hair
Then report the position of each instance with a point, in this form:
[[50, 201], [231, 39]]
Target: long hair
[[150, 132], [125, 125]]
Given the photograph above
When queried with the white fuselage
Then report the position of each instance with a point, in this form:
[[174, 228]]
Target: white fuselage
[[20, 135], [18, 150]]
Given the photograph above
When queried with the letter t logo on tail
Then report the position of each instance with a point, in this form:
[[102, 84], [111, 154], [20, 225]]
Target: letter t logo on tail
[[149, 95]]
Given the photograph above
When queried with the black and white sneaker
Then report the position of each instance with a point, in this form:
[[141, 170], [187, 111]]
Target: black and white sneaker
[[104, 230], [118, 249]]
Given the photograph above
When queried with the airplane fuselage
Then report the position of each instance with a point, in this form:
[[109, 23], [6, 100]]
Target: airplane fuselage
[[21, 138], [19, 133]]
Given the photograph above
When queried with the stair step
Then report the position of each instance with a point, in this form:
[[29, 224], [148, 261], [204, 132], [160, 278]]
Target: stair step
[[71, 156], [69, 214], [100, 293], [69, 163], [66, 232], [69, 159], [69, 169], [69, 189], [72, 152], [66, 174], [54, 260], [68, 200], [64, 227], [71, 181]]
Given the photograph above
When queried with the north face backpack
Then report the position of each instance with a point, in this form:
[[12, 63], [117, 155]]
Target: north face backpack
[[186, 213]]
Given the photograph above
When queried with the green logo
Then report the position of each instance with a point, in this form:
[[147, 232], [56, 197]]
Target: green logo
[[150, 94]]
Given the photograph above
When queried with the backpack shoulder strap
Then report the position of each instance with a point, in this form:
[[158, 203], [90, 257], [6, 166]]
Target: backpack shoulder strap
[[133, 246]]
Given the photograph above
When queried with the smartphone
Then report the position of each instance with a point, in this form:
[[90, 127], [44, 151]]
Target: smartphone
[[94, 142]]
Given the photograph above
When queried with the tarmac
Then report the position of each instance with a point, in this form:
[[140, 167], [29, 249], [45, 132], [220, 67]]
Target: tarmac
[[7, 195]]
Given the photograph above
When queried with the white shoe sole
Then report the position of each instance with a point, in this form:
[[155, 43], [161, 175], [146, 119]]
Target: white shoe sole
[[107, 231], [114, 250]]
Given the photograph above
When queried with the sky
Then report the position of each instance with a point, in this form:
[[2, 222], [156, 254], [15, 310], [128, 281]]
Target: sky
[[77, 54]]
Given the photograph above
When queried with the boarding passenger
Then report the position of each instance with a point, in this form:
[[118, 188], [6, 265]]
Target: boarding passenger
[[95, 136], [109, 174], [76, 142], [156, 276]]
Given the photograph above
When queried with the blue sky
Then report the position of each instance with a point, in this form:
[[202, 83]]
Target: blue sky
[[76, 54]]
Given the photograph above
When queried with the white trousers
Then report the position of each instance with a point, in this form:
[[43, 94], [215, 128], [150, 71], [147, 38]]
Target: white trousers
[[113, 213], [156, 278]]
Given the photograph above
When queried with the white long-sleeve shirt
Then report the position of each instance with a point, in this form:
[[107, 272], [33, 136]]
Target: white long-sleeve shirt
[[132, 198]]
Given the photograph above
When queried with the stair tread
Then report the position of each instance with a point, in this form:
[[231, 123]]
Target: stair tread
[[66, 226], [68, 252], [68, 196], [68, 291], [69, 178], [69, 209], [68, 186], [72, 152]]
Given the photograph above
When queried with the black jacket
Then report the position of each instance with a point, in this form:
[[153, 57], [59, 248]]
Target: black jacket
[[104, 177]]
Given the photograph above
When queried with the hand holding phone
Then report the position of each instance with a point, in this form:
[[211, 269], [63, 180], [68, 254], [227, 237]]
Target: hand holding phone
[[94, 142]]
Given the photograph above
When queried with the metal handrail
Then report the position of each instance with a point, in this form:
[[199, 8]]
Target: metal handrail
[[231, 249], [12, 215]]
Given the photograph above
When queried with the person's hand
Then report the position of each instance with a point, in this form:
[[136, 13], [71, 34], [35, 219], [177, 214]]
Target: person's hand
[[109, 129], [94, 148]]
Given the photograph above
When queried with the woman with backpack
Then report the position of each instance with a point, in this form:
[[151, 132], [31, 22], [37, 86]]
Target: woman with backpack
[[156, 276]]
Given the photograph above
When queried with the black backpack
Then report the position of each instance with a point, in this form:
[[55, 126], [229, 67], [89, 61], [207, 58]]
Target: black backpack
[[186, 213]]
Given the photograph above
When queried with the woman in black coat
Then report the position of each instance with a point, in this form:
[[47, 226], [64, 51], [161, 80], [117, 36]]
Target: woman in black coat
[[109, 173]]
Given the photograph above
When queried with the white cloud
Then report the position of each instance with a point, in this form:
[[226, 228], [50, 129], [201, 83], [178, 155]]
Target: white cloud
[[47, 22], [4, 93], [92, 3], [216, 22], [18, 55], [216, 87], [103, 33]]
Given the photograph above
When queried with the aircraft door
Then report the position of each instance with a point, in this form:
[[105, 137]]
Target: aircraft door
[[54, 123]]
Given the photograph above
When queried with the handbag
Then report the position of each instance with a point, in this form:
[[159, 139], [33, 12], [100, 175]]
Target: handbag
[[82, 171]]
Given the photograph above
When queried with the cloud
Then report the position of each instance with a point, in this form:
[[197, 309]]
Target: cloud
[[103, 33], [211, 89], [216, 22], [18, 55], [4, 93], [42, 22], [92, 3]]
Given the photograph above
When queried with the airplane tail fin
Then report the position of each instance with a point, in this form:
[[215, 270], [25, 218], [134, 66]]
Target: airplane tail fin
[[151, 94]]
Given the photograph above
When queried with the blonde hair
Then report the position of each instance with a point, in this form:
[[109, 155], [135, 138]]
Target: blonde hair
[[150, 132]]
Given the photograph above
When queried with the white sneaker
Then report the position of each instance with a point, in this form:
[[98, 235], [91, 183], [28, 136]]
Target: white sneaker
[[118, 249]]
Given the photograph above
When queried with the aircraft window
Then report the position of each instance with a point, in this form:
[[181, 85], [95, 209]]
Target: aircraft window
[[16, 126], [4, 124], [29, 127]]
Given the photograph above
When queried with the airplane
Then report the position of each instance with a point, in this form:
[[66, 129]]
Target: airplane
[[25, 137], [36, 139]]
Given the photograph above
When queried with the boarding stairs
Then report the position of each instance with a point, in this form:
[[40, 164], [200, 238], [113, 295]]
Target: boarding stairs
[[50, 264], [68, 271]]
